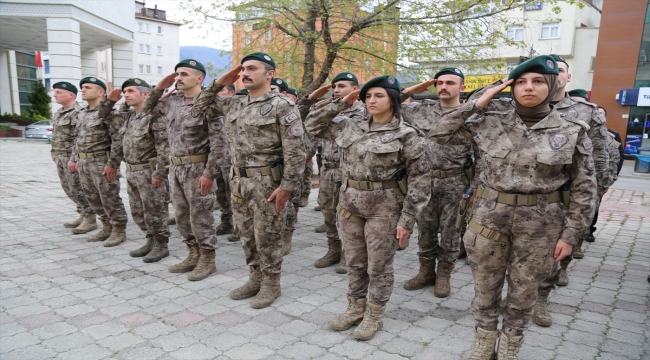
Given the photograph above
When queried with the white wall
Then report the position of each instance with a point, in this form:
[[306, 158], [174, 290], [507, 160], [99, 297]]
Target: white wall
[[586, 42], [170, 43]]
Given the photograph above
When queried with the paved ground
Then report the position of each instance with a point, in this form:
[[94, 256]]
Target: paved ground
[[66, 298]]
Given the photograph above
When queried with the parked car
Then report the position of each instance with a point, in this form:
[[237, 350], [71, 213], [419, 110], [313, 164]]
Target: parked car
[[39, 130]]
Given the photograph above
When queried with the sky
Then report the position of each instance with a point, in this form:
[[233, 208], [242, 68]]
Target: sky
[[192, 37]]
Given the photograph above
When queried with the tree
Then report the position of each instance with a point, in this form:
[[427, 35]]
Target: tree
[[40, 100], [311, 38]]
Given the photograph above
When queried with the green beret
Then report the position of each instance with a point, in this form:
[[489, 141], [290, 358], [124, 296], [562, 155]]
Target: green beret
[[259, 56], [64, 85], [558, 58], [449, 71], [134, 82], [293, 92], [542, 64], [579, 93], [348, 76], [92, 80], [280, 83], [242, 92], [192, 64], [384, 81]]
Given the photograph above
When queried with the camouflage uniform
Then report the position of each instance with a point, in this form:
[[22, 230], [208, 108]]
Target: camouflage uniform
[[92, 151], [260, 131], [64, 132], [195, 148], [521, 238], [368, 218], [446, 192], [222, 179], [143, 139]]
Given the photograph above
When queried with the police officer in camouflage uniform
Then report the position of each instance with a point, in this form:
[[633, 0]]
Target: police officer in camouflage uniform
[[522, 220], [330, 171], [145, 149], [386, 184], [64, 134], [196, 160], [267, 152], [223, 187], [98, 164], [449, 180]]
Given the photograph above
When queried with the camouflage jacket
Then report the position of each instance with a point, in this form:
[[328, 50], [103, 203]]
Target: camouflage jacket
[[142, 137], [614, 157], [64, 128], [189, 135], [379, 154], [536, 160], [260, 130], [97, 134]]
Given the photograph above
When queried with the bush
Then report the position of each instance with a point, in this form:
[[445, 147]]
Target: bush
[[40, 100], [22, 117], [5, 127]]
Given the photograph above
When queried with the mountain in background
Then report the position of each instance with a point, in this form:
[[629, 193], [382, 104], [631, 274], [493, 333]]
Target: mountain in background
[[204, 54]]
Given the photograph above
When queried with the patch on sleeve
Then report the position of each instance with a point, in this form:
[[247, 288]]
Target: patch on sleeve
[[291, 118], [216, 125], [265, 109], [297, 130], [424, 165]]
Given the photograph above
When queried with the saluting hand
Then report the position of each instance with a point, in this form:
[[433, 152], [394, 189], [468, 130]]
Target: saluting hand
[[420, 88], [320, 92], [402, 235], [166, 82], [115, 95], [230, 77], [351, 97], [484, 100]]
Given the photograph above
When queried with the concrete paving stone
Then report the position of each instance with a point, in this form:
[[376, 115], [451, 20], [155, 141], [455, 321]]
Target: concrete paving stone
[[105, 330], [531, 352], [301, 350], [173, 341], [203, 330], [249, 352], [324, 338], [53, 330], [117, 311], [119, 342], [451, 346], [401, 346], [22, 300], [11, 329], [34, 352], [90, 352], [28, 310], [195, 352], [68, 342], [353, 349], [419, 335], [225, 341], [622, 349], [142, 353], [298, 328], [154, 330], [625, 336]]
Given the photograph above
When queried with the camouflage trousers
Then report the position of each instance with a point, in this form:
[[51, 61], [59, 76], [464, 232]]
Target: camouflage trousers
[[192, 210], [292, 208], [326, 199], [148, 203], [258, 222], [527, 258], [305, 185], [102, 195], [551, 281], [223, 191], [72, 185], [370, 244], [440, 216]]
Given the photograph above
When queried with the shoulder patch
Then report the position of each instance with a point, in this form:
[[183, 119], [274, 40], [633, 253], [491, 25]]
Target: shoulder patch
[[297, 130], [265, 109], [216, 125], [291, 118], [424, 165], [557, 140]]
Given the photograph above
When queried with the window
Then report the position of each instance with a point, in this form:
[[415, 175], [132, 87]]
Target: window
[[140, 48], [46, 66], [159, 52], [148, 69], [267, 35], [141, 27], [148, 29], [550, 30], [515, 33], [102, 66], [247, 39], [592, 63], [511, 66], [147, 49], [160, 70], [160, 30], [140, 69]]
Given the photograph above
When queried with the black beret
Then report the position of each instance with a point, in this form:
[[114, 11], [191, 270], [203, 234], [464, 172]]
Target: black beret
[[558, 58], [280, 83], [92, 80], [64, 85], [242, 92], [293, 92], [259, 56], [134, 82], [579, 93], [542, 64], [192, 64], [449, 71], [348, 76], [384, 81]]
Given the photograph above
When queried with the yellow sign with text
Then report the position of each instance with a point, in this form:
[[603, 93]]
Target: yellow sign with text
[[474, 82]]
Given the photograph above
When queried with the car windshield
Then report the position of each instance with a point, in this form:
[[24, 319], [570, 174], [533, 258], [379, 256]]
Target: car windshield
[[44, 122]]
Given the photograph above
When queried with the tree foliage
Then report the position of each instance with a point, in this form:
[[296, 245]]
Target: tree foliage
[[40, 100], [311, 38]]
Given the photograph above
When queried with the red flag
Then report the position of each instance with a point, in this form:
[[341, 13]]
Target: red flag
[[38, 58]]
